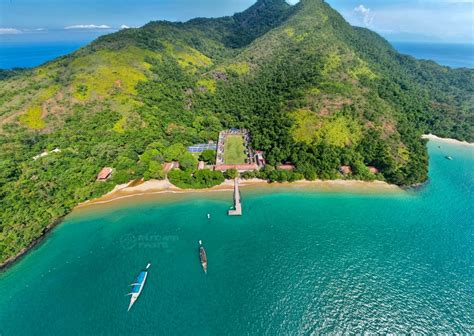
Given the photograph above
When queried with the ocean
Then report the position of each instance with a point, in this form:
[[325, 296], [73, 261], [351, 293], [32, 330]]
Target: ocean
[[33, 54], [33, 49], [453, 55], [297, 262], [25, 54]]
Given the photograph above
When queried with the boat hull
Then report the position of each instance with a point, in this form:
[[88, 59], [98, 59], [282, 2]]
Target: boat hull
[[203, 257], [138, 288]]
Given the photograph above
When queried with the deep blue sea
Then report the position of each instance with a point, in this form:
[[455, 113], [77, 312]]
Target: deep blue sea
[[299, 262], [453, 55], [27, 54]]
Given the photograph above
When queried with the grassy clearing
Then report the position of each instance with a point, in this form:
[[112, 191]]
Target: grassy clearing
[[307, 127], [209, 84], [188, 58], [109, 72], [240, 68], [32, 118], [234, 150], [336, 131]]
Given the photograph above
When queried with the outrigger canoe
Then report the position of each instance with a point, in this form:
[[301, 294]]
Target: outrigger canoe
[[203, 257], [138, 286]]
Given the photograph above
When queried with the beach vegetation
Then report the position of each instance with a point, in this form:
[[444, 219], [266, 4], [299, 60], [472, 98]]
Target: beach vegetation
[[208, 156], [188, 162], [231, 174], [198, 180]]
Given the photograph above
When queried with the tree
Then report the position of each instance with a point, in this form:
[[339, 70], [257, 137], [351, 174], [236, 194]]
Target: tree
[[231, 174], [188, 162], [208, 156], [155, 171], [175, 152]]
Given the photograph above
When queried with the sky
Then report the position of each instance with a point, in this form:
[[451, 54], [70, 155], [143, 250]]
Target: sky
[[397, 20]]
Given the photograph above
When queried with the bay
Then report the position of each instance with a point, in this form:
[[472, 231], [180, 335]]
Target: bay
[[297, 262]]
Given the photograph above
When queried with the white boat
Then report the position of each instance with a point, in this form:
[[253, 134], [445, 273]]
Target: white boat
[[138, 286]]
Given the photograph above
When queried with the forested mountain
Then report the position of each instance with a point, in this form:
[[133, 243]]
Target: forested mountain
[[312, 90]]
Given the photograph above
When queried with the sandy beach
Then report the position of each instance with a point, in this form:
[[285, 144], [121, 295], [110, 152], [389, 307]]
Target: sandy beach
[[157, 187], [447, 140]]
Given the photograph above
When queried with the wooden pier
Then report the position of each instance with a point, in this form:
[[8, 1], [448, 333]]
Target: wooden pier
[[237, 211]]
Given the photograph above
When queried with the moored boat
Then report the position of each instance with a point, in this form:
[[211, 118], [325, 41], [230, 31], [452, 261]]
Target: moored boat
[[203, 257], [138, 286]]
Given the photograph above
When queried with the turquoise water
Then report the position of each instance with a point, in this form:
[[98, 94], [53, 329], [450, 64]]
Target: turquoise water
[[295, 263]]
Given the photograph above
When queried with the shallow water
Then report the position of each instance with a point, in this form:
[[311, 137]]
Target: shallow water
[[295, 263]]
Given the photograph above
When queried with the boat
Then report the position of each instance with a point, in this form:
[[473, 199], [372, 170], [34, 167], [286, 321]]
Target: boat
[[208, 216], [138, 286], [203, 257], [448, 158]]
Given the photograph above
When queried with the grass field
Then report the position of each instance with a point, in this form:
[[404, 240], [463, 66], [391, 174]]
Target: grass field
[[234, 150]]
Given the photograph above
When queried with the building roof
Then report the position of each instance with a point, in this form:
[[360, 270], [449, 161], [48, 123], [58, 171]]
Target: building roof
[[167, 166], [199, 148], [345, 170], [244, 167], [105, 173], [373, 170], [286, 166]]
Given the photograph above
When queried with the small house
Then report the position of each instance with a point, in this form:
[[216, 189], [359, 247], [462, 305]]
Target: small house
[[286, 166], [345, 170], [201, 165], [260, 158], [105, 174], [373, 170]]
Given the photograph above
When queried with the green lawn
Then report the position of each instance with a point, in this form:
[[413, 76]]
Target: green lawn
[[234, 150]]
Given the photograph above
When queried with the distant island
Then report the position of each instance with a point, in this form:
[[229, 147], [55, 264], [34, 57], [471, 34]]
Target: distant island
[[277, 92]]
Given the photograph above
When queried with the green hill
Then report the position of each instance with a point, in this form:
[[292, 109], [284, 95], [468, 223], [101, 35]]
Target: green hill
[[312, 90]]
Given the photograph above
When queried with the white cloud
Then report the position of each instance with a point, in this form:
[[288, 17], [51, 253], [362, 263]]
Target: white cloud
[[9, 31], [124, 27], [365, 14], [88, 26], [28, 30]]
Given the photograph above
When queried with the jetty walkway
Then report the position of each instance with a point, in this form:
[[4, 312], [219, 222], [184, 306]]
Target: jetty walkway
[[237, 211]]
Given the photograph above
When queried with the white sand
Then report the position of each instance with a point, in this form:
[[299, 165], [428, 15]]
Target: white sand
[[446, 140]]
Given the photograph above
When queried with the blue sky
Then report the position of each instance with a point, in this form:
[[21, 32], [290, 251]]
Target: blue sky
[[409, 20]]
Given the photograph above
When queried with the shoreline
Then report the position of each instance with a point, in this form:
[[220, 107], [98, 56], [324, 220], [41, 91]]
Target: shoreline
[[163, 187], [433, 137], [155, 187], [16, 258]]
